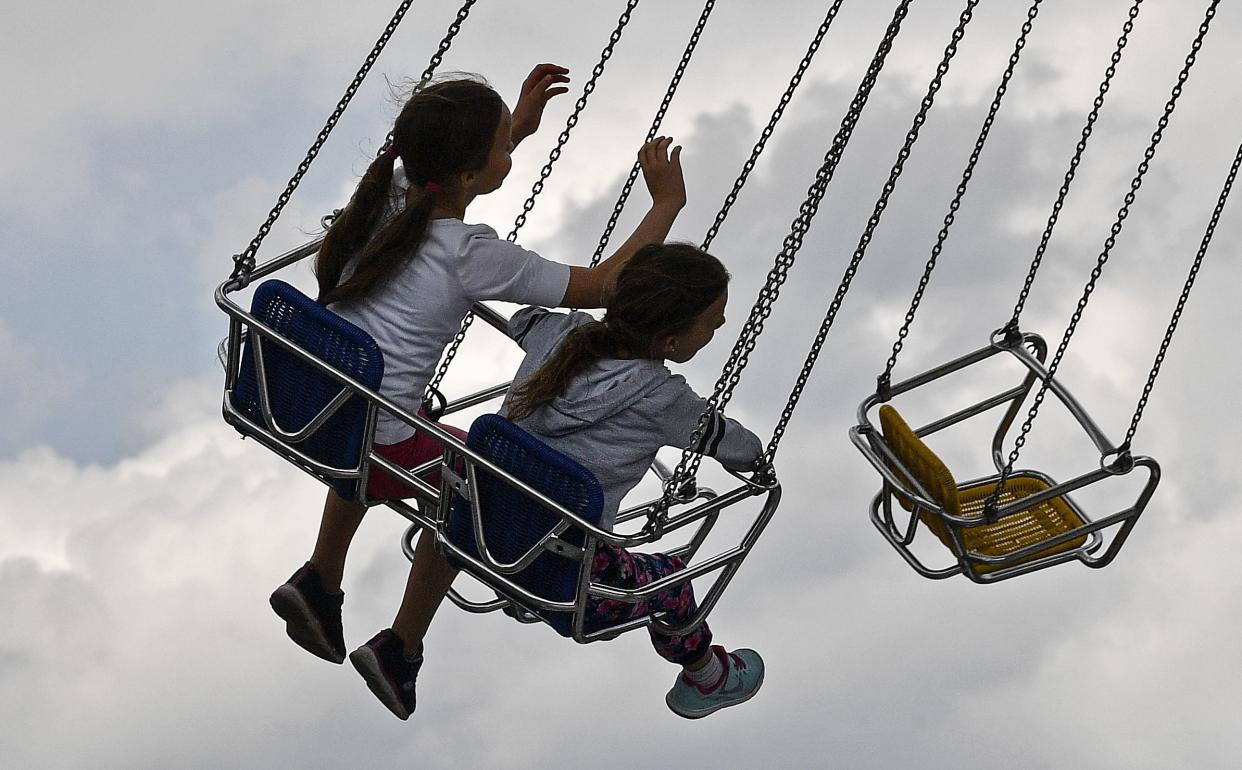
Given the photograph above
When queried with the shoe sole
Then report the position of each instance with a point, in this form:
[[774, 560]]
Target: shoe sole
[[368, 665], [705, 712], [301, 624]]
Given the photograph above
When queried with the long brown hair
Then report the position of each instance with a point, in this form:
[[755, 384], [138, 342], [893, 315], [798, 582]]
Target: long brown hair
[[660, 291], [443, 130]]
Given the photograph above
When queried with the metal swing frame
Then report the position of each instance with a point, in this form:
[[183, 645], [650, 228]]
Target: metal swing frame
[[1099, 539], [700, 516], [431, 505]]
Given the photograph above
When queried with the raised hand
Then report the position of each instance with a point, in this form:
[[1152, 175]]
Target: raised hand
[[662, 172], [540, 86]]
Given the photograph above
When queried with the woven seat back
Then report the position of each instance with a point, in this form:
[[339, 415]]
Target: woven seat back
[[297, 392], [925, 466], [513, 522]]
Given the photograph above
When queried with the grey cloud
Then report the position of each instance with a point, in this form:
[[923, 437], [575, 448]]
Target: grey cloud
[[170, 549]]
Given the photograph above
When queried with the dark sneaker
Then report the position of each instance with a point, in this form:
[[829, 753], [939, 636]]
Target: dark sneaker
[[388, 673], [312, 616], [743, 673]]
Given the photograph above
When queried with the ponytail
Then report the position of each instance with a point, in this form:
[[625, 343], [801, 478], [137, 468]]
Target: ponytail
[[377, 257], [660, 291], [443, 130], [582, 347]]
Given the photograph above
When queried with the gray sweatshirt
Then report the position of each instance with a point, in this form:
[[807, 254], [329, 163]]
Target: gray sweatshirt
[[613, 417]]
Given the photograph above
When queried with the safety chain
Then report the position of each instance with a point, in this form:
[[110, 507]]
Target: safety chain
[[244, 263], [544, 173], [1181, 302], [989, 510], [434, 63], [680, 485], [885, 379], [1011, 328], [766, 134], [454, 27], [873, 222], [572, 121], [655, 127]]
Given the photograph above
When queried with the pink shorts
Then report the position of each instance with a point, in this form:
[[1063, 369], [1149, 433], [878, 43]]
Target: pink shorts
[[411, 453]]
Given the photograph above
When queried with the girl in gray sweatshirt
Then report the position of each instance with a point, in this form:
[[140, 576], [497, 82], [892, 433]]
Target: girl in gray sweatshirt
[[600, 392]]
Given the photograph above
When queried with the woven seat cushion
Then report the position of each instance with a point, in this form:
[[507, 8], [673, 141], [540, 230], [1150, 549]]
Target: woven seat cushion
[[512, 522], [1026, 527], [1018, 530], [297, 392], [926, 467]]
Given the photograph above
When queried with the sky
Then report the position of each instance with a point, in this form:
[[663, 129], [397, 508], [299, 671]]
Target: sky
[[140, 537]]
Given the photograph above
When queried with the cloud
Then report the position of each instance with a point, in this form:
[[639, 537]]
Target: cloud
[[149, 618], [135, 579], [33, 382]]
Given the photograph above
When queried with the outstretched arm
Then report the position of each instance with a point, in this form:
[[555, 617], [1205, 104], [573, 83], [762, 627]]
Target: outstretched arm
[[539, 87], [589, 286]]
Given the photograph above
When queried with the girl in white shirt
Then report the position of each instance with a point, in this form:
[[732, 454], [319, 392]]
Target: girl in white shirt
[[400, 262]]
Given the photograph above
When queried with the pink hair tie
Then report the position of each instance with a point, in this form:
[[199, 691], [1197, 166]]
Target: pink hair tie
[[433, 187], [389, 152]]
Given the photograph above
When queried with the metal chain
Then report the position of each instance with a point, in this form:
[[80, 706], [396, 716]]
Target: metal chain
[[1122, 213], [942, 69], [454, 27], [766, 134], [544, 173], [434, 63], [967, 174], [687, 468], [244, 263], [1011, 328], [1181, 301], [686, 55]]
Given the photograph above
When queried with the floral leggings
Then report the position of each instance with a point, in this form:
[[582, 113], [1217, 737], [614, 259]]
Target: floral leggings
[[621, 569]]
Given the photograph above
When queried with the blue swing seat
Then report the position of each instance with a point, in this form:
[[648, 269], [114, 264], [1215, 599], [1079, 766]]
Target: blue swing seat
[[298, 392], [513, 522]]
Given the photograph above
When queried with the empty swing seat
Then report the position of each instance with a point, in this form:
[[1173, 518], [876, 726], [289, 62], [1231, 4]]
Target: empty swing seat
[[297, 394], [985, 545], [513, 523]]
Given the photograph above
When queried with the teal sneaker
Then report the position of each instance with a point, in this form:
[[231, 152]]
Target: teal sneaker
[[743, 674]]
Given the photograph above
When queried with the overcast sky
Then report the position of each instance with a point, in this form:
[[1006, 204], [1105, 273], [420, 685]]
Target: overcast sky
[[144, 144]]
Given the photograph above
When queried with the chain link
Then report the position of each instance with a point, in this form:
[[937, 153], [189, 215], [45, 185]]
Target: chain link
[[956, 204], [244, 263], [942, 69], [1185, 295], [572, 121], [655, 127], [1148, 155], [1011, 328], [682, 477], [768, 130], [544, 173]]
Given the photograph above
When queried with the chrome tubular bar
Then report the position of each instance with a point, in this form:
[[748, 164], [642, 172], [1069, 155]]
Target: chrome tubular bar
[[726, 563], [704, 509], [899, 481]]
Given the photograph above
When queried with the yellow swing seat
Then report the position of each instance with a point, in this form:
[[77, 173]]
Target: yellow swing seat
[[958, 519], [1035, 522], [989, 540]]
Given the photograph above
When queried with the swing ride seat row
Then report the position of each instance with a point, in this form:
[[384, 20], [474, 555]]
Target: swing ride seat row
[[517, 516], [1035, 524], [308, 390]]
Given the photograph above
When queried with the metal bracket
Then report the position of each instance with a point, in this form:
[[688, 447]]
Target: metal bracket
[[457, 482]]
